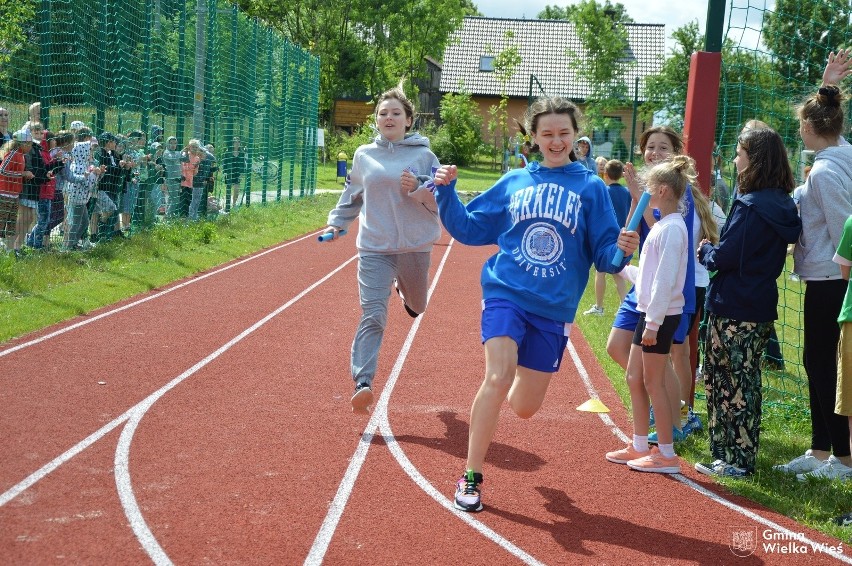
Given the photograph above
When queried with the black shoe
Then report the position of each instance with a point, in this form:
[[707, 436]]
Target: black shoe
[[844, 520], [467, 492], [362, 399], [410, 312]]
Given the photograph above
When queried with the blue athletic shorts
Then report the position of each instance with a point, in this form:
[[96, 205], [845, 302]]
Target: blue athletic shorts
[[541, 341], [627, 317]]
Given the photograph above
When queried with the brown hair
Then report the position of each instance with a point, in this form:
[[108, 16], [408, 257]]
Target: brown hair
[[674, 137], [824, 112], [550, 105], [398, 93], [614, 169], [768, 166], [63, 137]]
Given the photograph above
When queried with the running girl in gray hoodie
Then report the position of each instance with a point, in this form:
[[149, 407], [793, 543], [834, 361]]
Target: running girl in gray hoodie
[[388, 191]]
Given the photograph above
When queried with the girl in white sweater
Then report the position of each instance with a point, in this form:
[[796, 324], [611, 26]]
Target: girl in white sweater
[[659, 283]]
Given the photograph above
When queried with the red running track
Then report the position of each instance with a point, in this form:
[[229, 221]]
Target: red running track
[[167, 430]]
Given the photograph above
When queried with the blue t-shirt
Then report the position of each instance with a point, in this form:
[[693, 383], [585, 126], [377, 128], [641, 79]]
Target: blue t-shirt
[[620, 198]]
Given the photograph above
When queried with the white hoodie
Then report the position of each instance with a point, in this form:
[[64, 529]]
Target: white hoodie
[[391, 220], [825, 202]]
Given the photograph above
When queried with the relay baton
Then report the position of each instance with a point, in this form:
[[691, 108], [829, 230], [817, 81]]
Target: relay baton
[[633, 223], [330, 235]]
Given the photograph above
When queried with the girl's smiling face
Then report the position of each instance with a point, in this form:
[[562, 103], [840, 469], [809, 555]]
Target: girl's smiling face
[[391, 120], [555, 139], [658, 148]]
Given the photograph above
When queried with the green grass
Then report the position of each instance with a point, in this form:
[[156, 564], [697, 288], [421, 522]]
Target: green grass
[[43, 289], [785, 433]]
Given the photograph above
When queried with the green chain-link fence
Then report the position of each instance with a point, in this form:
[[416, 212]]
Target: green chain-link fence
[[777, 58], [195, 69]]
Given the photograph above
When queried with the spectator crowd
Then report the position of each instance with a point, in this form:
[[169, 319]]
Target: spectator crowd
[[75, 188]]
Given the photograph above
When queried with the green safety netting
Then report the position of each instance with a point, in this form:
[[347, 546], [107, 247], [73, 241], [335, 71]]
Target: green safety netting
[[200, 70], [774, 57]]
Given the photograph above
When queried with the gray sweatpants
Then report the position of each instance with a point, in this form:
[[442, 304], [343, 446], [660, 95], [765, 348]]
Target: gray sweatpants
[[376, 273]]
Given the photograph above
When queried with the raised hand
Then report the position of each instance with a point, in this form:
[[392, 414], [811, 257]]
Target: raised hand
[[632, 178], [838, 67]]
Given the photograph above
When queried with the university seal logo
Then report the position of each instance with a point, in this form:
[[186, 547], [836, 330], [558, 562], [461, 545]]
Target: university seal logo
[[541, 244]]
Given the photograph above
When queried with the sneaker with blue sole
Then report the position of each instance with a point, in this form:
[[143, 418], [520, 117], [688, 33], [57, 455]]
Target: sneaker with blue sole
[[693, 422], [720, 468], [677, 435]]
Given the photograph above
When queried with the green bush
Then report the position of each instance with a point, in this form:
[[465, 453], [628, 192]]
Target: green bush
[[348, 143], [459, 138]]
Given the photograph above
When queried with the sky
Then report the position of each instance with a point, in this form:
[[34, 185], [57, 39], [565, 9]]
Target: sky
[[674, 14]]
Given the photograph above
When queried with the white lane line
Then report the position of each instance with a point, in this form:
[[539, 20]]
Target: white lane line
[[379, 422], [117, 310], [122, 452], [817, 546], [39, 474]]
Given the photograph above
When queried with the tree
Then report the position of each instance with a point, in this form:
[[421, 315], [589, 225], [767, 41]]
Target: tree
[[458, 140], [617, 12], [800, 33], [604, 64], [365, 46], [16, 34], [505, 63]]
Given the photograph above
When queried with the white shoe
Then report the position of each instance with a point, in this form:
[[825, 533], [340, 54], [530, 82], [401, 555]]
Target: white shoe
[[362, 399], [803, 464], [595, 310], [832, 469]]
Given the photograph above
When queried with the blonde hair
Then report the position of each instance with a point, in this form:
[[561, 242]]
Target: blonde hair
[[676, 173], [709, 228]]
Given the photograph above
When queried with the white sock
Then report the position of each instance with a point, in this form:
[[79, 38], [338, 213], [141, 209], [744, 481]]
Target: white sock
[[640, 443], [667, 450]]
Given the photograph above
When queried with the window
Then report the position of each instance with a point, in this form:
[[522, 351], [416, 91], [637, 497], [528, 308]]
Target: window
[[486, 63]]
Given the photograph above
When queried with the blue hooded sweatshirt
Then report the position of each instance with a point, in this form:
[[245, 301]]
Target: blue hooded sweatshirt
[[750, 256], [550, 225]]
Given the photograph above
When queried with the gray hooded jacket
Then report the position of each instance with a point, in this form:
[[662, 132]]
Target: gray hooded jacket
[[825, 202], [391, 220]]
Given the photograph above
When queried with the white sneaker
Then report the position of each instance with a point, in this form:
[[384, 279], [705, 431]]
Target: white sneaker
[[832, 469], [803, 464], [595, 310]]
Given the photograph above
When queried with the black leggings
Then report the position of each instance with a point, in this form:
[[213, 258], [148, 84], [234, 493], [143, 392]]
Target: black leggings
[[823, 300]]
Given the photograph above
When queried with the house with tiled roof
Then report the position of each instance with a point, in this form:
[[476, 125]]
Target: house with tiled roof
[[546, 48]]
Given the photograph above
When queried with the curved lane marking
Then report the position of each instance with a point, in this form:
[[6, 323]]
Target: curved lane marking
[[42, 472], [138, 302]]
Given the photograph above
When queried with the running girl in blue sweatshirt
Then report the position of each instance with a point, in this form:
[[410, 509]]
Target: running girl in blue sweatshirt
[[551, 221]]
